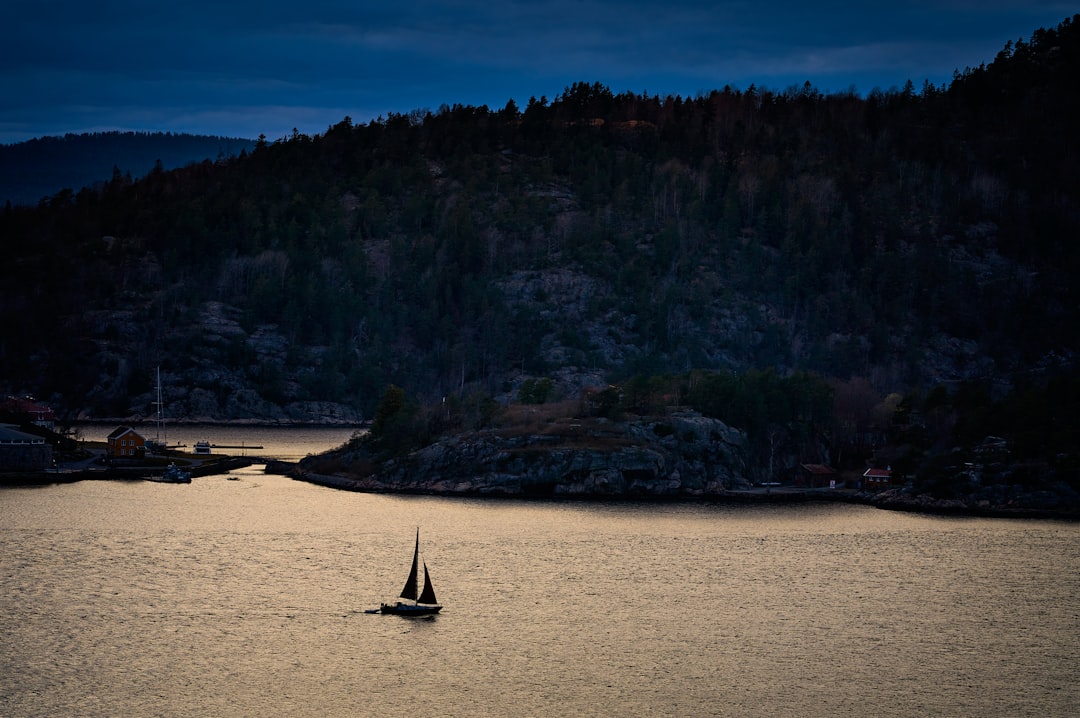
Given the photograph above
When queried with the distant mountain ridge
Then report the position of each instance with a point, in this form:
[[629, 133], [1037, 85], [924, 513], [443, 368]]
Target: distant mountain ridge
[[39, 168]]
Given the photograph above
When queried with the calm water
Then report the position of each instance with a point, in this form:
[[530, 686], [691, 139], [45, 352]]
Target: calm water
[[245, 596]]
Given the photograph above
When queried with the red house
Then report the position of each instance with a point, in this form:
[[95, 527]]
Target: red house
[[125, 442], [877, 477], [27, 408]]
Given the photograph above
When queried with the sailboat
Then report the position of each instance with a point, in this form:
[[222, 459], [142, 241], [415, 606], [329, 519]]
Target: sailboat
[[160, 443], [424, 603]]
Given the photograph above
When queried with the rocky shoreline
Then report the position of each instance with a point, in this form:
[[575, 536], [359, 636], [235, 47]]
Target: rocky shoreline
[[890, 500], [1034, 505], [899, 499]]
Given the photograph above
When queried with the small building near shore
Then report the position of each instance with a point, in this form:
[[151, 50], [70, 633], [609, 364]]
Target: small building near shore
[[23, 452], [125, 443], [28, 409], [816, 476], [877, 478]]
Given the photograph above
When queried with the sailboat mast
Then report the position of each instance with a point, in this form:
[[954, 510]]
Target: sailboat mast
[[162, 439]]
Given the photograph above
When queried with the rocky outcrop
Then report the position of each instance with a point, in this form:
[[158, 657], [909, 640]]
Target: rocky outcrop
[[1057, 501], [684, 455]]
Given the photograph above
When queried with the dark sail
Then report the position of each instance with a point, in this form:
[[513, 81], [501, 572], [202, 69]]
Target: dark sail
[[428, 596], [409, 592]]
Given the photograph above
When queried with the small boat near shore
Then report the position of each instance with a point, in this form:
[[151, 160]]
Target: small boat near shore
[[172, 474], [205, 448], [423, 603]]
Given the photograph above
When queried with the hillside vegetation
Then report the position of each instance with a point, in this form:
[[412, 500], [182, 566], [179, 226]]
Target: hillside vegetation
[[883, 245]]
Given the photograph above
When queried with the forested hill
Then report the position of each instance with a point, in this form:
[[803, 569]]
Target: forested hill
[[912, 238], [44, 166]]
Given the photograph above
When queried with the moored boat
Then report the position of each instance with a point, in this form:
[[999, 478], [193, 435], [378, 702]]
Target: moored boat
[[173, 474]]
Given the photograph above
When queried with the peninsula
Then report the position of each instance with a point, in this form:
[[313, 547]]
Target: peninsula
[[550, 452]]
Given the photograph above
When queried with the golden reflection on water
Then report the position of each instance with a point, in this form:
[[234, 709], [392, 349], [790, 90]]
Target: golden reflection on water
[[247, 597]]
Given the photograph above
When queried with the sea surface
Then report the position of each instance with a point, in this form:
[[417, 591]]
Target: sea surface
[[245, 595]]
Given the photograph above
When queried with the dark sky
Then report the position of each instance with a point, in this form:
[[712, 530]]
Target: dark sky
[[241, 69]]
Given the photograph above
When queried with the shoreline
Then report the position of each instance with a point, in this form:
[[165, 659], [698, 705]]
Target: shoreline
[[16, 479], [884, 500], [921, 504]]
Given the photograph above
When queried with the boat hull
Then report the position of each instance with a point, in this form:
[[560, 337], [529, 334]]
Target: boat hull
[[172, 475], [166, 480], [410, 609]]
